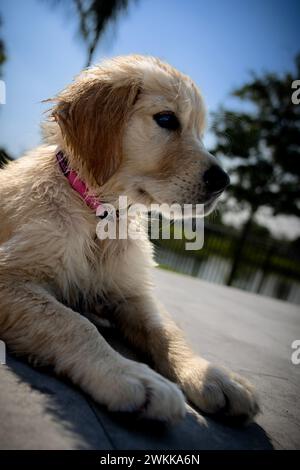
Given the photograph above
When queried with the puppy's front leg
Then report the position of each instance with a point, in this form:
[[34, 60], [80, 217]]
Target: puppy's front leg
[[212, 389], [34, 323]]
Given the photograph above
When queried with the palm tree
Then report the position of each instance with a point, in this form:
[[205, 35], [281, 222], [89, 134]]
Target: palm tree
[[94, 16]]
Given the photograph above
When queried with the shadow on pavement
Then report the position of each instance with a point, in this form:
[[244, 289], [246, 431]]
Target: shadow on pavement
[[90, 426]]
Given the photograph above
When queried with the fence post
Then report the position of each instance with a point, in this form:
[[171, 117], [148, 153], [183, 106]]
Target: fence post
[[239, 248], [265, 268], [196, 265]]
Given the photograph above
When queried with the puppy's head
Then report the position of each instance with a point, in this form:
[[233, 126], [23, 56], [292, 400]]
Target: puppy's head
[[134, 126]]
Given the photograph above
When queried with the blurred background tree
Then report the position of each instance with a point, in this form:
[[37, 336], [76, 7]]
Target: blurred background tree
[[261, 149], [94, 16]]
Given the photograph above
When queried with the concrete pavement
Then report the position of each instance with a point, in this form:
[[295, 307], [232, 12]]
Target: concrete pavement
[[247, 333]]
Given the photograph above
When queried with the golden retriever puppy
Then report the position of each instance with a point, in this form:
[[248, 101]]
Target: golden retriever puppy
[[131, 126]]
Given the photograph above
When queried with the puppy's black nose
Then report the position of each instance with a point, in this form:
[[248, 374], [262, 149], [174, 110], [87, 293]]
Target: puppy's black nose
[[215, 179]]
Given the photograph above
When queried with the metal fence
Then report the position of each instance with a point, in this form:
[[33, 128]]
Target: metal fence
[[260, 265]]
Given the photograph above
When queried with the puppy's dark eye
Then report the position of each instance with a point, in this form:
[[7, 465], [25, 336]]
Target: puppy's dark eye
[[167, 120]]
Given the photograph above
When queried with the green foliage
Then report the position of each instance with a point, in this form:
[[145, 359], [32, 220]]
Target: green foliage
[[263, 145]]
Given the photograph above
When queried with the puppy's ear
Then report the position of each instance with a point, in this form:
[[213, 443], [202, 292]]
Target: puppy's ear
[[91, 116]]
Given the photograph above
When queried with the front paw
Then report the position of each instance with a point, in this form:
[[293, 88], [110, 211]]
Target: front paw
[[219, 391], [134, 387]]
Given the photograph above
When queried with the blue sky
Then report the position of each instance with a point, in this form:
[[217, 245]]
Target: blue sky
[[218, 43]]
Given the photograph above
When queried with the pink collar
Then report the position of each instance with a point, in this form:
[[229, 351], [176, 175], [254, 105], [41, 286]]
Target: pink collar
[[77, 184]]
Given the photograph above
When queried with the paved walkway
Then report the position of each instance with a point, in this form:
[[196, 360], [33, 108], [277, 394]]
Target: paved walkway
[[247, 333]]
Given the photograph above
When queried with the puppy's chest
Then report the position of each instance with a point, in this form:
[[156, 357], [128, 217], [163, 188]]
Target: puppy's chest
[[88, 269], [96, 269]]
